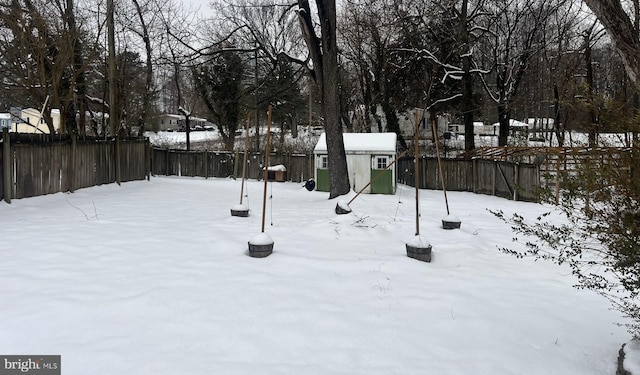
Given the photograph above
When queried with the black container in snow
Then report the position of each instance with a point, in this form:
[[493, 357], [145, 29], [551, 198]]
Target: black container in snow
[[451, 222], [419, 248], [240, 210], [260, 246]]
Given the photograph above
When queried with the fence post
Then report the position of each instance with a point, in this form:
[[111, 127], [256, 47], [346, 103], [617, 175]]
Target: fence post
[[516, 178], [474, 174], [7, 165], [72, 163], [235, 164], [166, 165], [558, 180], [117, 157], [206, 164], [493, 178], [148, 160]]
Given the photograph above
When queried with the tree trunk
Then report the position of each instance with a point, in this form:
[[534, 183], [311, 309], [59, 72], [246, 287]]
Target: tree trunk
[[146, 104], [324, 54], [467, 81], [113, 106], [593, 117], [503, 120], [621, 29], [556, 118]]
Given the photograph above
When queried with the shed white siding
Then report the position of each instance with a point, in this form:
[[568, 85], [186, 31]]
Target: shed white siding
[[361, 151]]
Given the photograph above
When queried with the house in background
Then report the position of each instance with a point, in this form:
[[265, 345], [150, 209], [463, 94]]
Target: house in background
[[171, 122], [33, 122], [368, 155], [5, 120]]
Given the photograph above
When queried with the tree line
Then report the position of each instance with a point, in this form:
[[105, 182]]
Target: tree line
[[471, 60], [354, 66]]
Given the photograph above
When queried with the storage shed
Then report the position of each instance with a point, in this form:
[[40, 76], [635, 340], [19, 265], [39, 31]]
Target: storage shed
[[368, 154]]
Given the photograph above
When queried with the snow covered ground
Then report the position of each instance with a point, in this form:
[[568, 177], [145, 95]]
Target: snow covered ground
[[153, 277]]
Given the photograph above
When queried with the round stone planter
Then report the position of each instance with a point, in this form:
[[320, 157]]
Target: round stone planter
[[240, 210], [260, 246], [342, 208], [419, 253], [451, 222], [419, 248]]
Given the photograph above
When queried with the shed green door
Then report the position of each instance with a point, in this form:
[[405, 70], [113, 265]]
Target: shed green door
[[322, 173], [383, 183]]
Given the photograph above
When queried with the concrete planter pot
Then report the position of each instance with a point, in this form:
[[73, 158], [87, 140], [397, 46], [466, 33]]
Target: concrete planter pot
[[240, 210], [260, 246], [419, 248], [451, 222]]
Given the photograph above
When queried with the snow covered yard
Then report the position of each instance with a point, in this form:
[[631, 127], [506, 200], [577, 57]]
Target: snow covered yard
[[153, 278]]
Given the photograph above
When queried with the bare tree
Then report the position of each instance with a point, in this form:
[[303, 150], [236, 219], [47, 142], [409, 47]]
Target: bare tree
[[623, 29], [44, 60], [517, 37], [323, 50], [319, 29]]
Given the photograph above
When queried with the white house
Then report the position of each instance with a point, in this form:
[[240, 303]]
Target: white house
[[368, 155], [171, 122], [33, 122]]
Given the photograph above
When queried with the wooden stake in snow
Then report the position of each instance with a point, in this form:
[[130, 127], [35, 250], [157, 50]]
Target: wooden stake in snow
[[261, 245], [341, 208], [266, 165], [244, 162], [418, 247], [450, 221], [242, 210], [416, 154]]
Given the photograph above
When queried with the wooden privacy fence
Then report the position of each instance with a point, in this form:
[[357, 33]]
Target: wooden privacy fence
[[504, 179], [42, 164], [227, 164], [517, 181], [556, 163]]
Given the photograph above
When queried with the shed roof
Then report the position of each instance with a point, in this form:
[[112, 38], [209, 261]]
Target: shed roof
[[362, 142]]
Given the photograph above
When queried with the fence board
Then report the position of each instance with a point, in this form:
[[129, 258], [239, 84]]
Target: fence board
[[1, 174], [480, 176], [42, 165]]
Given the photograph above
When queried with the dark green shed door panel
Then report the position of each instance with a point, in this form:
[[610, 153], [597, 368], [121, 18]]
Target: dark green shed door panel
[[382, 184]]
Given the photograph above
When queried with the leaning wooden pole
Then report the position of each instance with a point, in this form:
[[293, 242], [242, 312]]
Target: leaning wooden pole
[[378, 175], [244, 163], [266, 166], [444, 189], [416, 169]]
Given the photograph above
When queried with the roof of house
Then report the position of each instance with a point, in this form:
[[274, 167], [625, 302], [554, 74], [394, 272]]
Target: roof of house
[[362, 142]]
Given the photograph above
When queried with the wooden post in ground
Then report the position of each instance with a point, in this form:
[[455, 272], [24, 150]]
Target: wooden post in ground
[[149, 160], [117, 161], [72, 163], [266, 166], [416, 153], [7, 165], [206, 164]]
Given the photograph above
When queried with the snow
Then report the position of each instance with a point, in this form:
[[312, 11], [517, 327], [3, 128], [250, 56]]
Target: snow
[[419, 242], [174, 138], [261, 239], [344, 205], [240, 207], [632, 357], [153, 277], [451, 219], [277, 168], [362, 142]]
